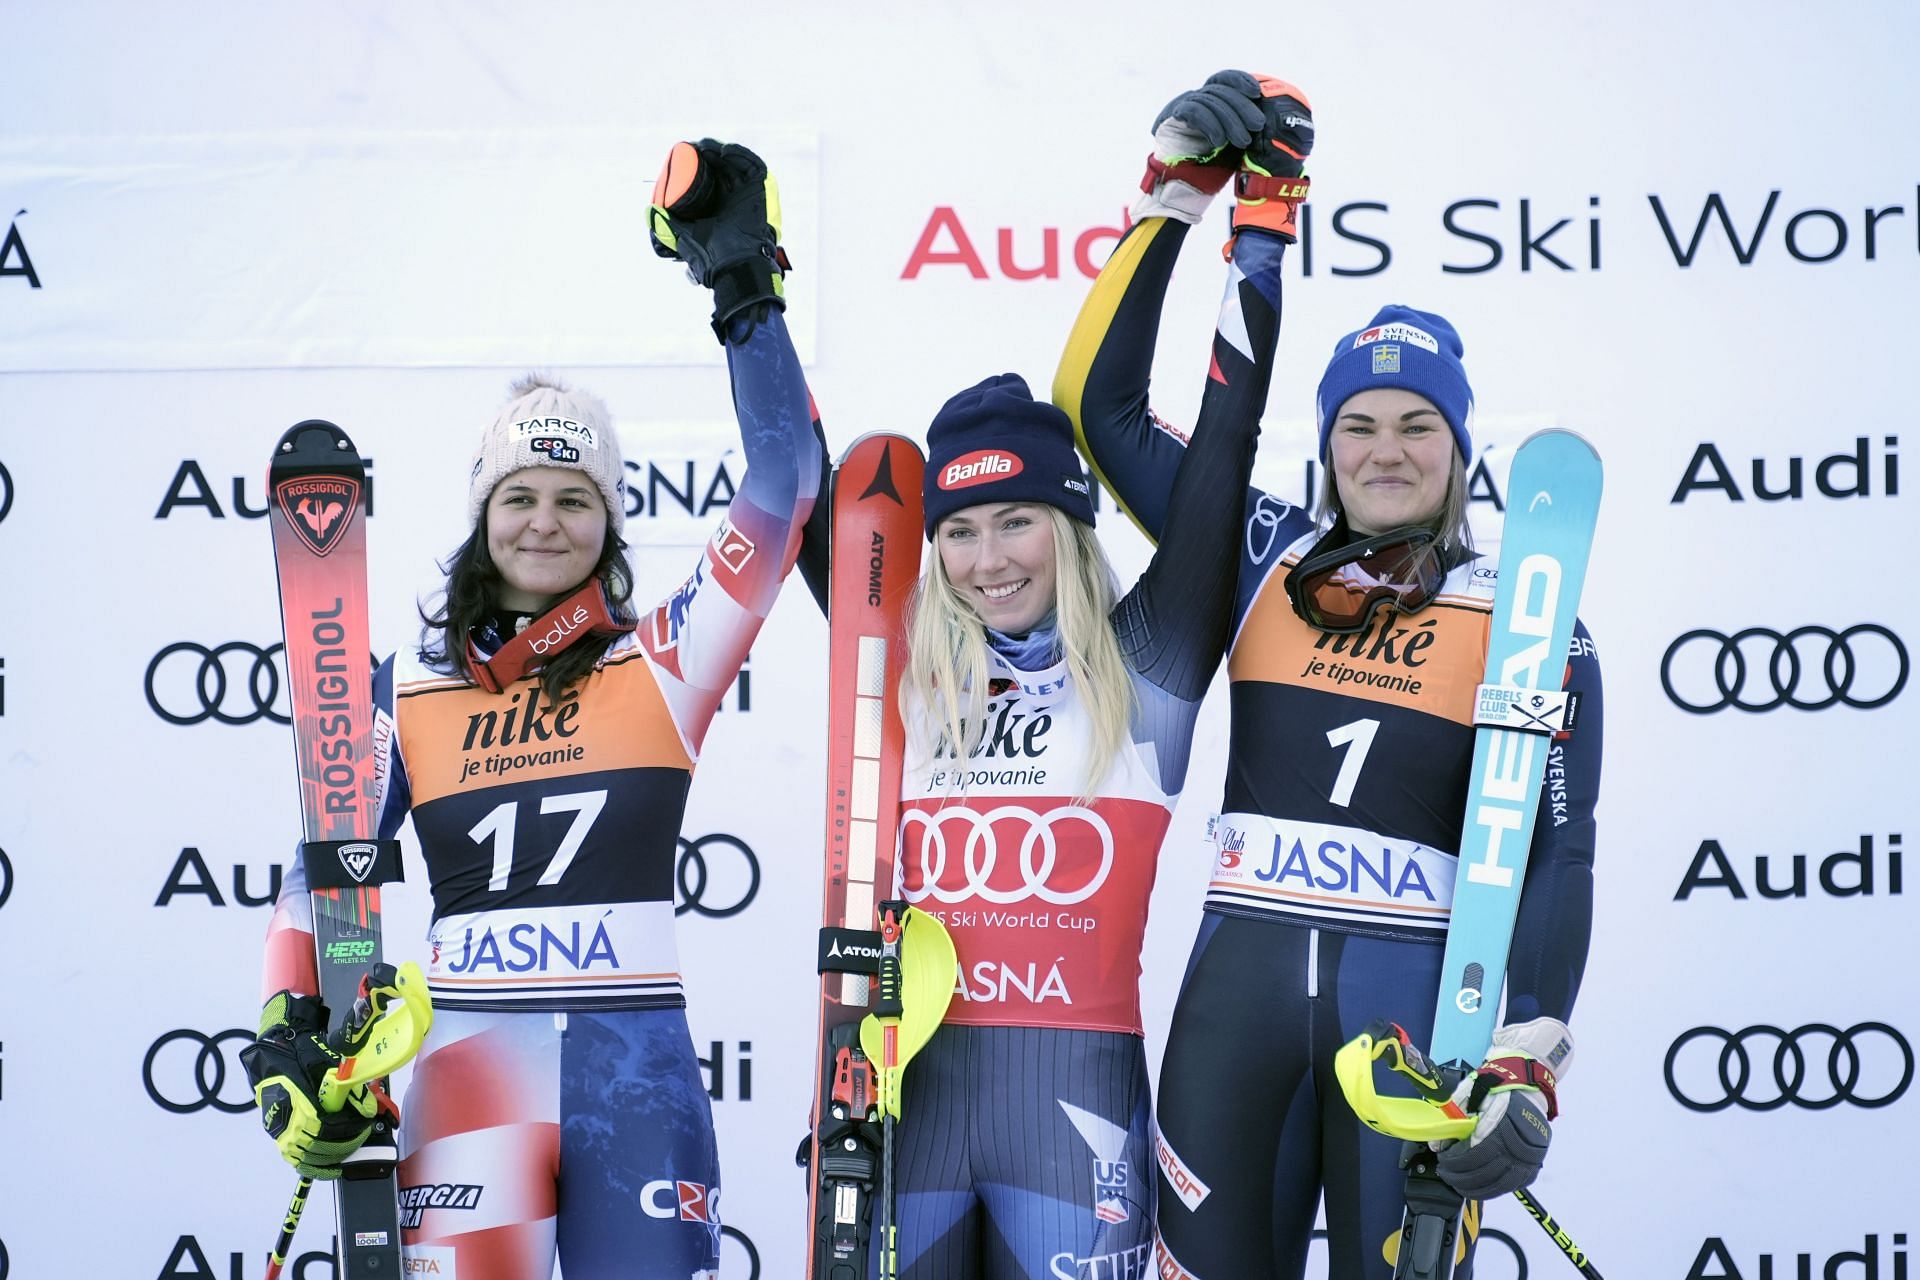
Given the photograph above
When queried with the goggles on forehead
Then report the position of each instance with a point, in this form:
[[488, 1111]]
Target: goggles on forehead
[[1340, 589]]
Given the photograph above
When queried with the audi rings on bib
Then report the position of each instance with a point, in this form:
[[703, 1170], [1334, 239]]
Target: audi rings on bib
[[255, 693], [1265, 518], [980, 856], [198, 1089], [1739, 1084], [698, 892], [1786, 671]]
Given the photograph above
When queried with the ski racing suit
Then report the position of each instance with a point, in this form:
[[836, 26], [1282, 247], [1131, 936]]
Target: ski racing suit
[[1023, 1151], [1334, 855], [558, 1102]]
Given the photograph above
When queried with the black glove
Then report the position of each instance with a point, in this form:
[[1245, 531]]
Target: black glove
[[1270, 186], [1514, 1095], [1224, 112], [717, 209], [286, 1065]]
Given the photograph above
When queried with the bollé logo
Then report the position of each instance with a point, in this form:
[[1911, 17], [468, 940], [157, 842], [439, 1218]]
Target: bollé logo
[[190, 488], [1847, 874], [978, 468], [1716, 1261], [562, 628], [1838, 475]]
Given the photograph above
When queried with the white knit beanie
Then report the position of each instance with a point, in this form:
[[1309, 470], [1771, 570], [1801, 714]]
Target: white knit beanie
[[547, 424]]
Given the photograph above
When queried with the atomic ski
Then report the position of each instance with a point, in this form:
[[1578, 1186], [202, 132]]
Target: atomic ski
[[316, 481], [875, 549], [1553, 503]]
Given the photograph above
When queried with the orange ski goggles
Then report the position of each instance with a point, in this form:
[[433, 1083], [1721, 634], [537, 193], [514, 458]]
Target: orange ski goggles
[[1340, 589]]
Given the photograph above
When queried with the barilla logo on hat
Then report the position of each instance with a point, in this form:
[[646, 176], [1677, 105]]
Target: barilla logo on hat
[[980, 467], [579, 432], [1397, 333], [554, 448]]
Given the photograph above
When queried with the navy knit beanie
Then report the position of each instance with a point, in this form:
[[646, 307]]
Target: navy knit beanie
[[995, 443], [1417, 351]]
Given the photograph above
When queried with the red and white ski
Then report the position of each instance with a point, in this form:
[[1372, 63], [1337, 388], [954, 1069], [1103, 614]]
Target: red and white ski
[[876, 543], [317, 481]]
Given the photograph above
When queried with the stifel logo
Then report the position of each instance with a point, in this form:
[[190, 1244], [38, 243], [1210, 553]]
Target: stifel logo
[[318, 508], [979, 468]]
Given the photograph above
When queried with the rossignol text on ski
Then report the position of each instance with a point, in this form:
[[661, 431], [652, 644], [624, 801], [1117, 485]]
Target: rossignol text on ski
[[317, 480]]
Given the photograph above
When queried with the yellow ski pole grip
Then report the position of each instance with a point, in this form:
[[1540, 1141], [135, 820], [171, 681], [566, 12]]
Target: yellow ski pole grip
[[398, 1017], [1432, 1117]]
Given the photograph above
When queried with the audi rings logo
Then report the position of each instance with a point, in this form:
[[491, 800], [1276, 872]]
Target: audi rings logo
[[979, 856], [1816, 1067], [6, 491], [234, 683], [187, 1071], [716, 875], [6, 877], [1808, 668], [732, 1272], [1263, 527]]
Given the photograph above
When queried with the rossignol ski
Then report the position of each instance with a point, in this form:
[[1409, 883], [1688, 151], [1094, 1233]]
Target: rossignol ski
[[317, 481], [875, 548], [1553, 503]]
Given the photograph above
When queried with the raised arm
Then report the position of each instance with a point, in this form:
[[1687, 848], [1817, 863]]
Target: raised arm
[[1176, 622], [1255, 130], [715, 208]]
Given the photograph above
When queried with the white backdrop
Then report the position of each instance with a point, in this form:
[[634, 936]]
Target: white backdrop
[[231, 217]]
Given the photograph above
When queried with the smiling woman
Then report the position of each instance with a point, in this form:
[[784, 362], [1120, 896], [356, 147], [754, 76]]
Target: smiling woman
[[545, 529], [542, 744], [1049, 720]]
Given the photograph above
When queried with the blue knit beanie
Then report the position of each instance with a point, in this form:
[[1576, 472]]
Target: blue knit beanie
[[1417, 351], [995, 443]]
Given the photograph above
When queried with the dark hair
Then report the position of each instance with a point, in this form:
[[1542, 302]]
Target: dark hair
[[469, 600]]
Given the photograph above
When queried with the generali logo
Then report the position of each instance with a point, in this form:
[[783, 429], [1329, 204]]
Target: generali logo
[[980, 467]]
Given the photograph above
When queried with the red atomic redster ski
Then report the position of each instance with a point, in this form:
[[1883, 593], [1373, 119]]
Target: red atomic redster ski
[[318, 481], [876, 541]]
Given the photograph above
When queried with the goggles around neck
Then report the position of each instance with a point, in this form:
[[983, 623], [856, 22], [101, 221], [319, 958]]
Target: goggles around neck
[[1339, 589], [581, 614]]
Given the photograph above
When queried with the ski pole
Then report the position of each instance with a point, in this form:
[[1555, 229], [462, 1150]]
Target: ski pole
[[1431, 1117], [1575, 1254], [916, 982], [384, 1032], [284, 1245]]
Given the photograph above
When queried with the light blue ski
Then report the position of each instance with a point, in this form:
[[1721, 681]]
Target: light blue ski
[[1553, 502]]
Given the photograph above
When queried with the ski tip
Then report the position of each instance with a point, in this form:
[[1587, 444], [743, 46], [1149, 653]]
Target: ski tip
[[875, 440], [314, 441], [1559, 440]]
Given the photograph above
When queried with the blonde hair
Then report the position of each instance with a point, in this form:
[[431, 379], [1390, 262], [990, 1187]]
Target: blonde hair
[[1450, 524], [947, 665]]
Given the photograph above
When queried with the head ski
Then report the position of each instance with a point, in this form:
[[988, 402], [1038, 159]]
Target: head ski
[[1553, 503]]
